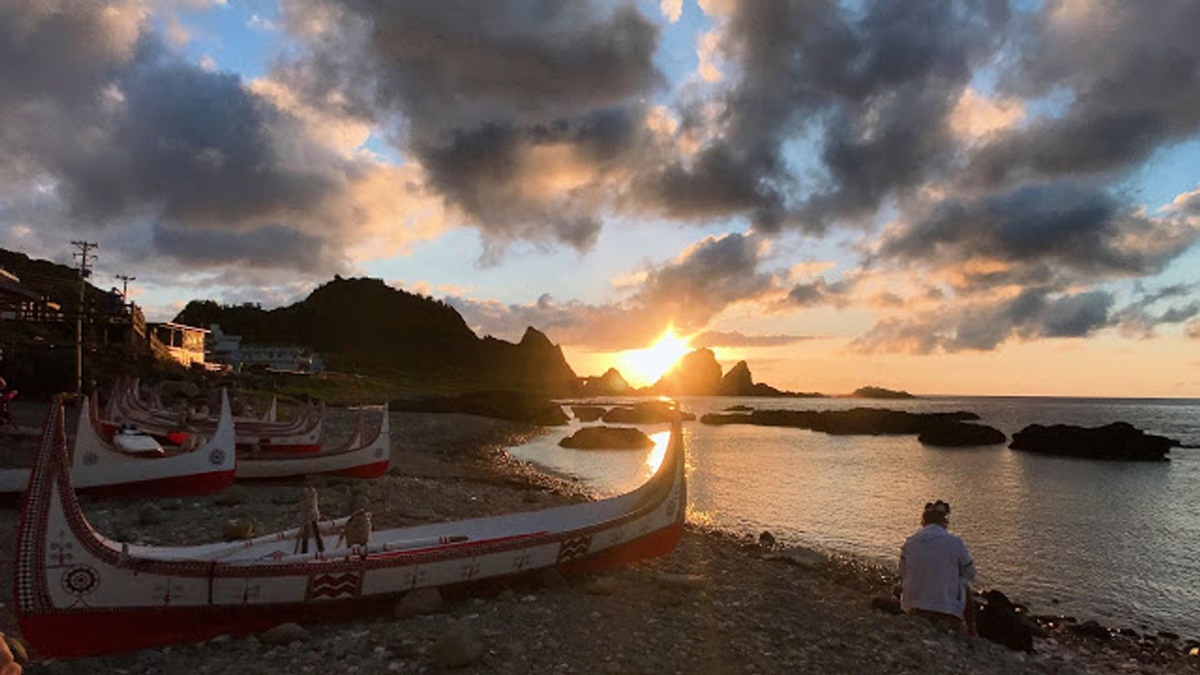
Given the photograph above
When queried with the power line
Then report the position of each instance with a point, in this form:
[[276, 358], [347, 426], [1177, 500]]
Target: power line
[[125, 279]]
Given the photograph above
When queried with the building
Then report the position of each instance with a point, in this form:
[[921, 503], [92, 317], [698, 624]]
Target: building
[[19, 303], [226, 349], [184, 344]]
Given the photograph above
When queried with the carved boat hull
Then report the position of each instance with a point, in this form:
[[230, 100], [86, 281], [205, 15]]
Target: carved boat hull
[[356, 459], [80, 594], [101, 470]]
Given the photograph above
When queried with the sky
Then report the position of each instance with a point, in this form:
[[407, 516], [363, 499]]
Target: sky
[[979, 197]]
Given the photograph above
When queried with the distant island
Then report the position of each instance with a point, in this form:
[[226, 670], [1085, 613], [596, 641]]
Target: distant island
[[880, 392]]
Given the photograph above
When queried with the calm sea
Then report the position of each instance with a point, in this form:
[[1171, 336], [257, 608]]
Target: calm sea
[[1111, 541]]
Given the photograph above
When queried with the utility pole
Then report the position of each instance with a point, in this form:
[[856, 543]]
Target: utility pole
[[125, 279], [85, 258]]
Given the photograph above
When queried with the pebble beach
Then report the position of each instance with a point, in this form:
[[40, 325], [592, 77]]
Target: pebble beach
[[717, 604]]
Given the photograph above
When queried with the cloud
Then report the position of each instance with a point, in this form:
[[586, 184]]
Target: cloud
[[1192, 330], [524, 120], [711, 339], [1038, 233], [1034, 313], [706, 278], [688, 292], [1128, 73], [671, 9], [110, 135]]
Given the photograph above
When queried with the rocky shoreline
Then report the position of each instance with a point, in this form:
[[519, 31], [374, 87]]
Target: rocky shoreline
[[717, 604]]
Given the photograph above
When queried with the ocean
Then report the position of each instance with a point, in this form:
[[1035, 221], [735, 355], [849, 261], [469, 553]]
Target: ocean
[[1112, 541]]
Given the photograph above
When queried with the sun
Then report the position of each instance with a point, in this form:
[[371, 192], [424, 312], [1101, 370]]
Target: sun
[[643, 367]]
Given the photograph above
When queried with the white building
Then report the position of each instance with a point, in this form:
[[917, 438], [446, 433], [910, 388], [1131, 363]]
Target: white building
[[222, 347]]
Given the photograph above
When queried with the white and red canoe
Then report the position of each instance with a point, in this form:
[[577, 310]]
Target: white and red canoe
[[357, 458], [302, 435], [99, 467], [79, 594]]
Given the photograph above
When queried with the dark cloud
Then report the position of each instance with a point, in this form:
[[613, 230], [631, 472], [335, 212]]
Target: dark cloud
[[498, 101], [1040, 232], [1034, 313], [707, 278], [687, 293], [711, 338], [821, 292], [1129, 75], [873, 85], [1139, 318], [106, 130]]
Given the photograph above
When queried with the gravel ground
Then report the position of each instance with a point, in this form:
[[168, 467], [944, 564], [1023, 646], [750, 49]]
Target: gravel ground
[[717, 604]]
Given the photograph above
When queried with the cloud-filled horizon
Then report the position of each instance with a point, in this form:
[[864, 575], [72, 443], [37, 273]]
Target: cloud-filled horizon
[[809, 181]]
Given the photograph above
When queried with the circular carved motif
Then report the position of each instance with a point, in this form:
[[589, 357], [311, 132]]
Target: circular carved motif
[[90, 458], [80, 580], [217, 457]]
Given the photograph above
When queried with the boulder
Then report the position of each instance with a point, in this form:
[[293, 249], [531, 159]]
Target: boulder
[[999, 620], [607, 438], [458, 646], [231, 496], [418, 602], [237, 529], [150, 514], [953, 434], [1117, 441], [587, 413], [285, 634]]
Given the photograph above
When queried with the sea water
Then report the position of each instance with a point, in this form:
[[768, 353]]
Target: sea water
[[1118, 542]]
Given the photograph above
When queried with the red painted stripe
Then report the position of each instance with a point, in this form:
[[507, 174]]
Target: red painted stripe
[[291, 448], [373, 470], [175, 486]]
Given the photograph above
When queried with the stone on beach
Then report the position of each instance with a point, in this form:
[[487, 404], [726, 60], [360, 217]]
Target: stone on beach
[[236, 529], [233, 495], [285, 634], [458, 646], [418, 602], [608, 438]]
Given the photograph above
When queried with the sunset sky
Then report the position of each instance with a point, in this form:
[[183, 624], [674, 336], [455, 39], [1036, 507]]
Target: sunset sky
[[946, 197]]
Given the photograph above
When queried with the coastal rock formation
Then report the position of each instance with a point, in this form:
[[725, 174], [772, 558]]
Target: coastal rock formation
[[587, 413], [1116, 441], [953, 434], [607, 438], [868, 421], [611, 383], [696, 374], [646, 412], [739, 382]]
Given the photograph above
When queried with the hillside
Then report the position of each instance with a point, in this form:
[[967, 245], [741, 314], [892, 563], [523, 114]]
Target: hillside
[[363, 325]]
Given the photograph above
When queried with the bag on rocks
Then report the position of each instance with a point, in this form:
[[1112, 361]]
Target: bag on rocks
[[998, 620]]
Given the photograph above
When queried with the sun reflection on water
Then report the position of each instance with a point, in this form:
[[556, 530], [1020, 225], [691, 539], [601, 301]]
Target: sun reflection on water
[[655, 458]]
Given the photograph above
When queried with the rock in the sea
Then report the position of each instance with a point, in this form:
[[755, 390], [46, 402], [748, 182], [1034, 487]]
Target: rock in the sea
[[961, 434], [1116, 441], [942, 427], [645, 412], [285, 634], [880, 392], [418, 602], [607, 438], [587, 413], [458, 646]]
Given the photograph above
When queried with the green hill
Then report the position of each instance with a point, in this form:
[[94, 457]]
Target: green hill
[[364, 326]]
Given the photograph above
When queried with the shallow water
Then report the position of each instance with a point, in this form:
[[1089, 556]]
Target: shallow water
[[1112, 541]]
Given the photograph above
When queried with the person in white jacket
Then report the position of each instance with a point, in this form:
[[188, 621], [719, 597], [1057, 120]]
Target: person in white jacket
[[934, 570]]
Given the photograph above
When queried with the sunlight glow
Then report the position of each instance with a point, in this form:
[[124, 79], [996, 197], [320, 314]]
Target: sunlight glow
[[656, 456], [643, 367]]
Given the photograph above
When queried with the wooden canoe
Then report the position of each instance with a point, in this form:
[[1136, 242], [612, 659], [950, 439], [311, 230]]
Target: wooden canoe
[[78, 593], [98, 467], [357, 458]]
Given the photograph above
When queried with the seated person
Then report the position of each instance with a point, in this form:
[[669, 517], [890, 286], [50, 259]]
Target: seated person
[[934, 570]]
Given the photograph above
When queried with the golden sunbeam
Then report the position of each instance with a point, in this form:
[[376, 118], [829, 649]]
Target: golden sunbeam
[[643, 367]]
